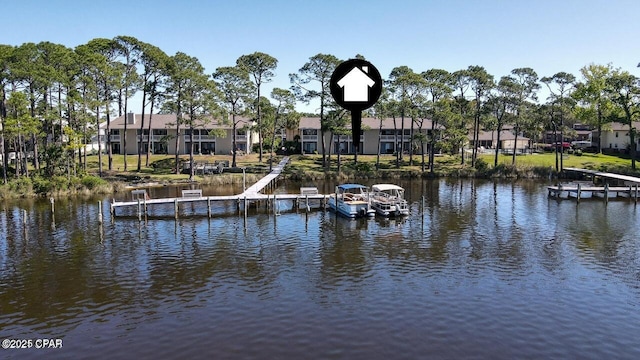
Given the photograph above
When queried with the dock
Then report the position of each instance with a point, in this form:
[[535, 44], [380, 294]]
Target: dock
[[252, 194], [600, 185]]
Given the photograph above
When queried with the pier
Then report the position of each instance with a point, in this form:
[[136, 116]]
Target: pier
[[600, 185], [252, 194]]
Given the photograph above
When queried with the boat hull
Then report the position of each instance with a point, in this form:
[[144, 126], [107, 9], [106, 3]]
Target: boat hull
[[350, 209]]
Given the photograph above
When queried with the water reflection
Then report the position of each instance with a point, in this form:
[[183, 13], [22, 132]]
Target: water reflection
[[306, 274]]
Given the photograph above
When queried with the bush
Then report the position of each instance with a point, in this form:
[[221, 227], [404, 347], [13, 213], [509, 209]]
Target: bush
[[481, 165], [91, 182], [21, 186]]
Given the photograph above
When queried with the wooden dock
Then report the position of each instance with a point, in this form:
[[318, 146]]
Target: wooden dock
[[251, 195], [614, 186]]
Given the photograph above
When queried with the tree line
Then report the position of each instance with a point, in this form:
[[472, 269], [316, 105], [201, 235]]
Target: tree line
[[54, 98]]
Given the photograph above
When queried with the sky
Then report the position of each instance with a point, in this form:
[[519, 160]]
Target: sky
[[549, 36]]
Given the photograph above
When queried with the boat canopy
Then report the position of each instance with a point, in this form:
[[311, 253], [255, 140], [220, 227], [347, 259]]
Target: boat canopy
[[385, 187], [351, 186]]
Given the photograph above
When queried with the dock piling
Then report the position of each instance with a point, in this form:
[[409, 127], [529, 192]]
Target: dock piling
[[175, 208], [53, 207], [209, 207], [100, 212], [139, 211]]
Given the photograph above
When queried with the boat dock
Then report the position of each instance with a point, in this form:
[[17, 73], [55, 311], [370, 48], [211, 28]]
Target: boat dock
[[600, 184], [250, 194]]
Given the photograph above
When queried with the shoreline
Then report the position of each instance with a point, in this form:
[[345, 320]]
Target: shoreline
[[300, 168]]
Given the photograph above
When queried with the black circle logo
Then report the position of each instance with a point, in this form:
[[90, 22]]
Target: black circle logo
[[356, 85]]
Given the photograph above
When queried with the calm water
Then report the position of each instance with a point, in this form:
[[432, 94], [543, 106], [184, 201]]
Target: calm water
[[487, 270]]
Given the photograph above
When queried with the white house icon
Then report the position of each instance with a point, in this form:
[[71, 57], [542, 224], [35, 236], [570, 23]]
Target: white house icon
[[356, 85]]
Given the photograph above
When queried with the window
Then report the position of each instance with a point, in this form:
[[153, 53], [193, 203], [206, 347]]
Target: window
[[161, 132], [114, 131], [616, 134], [144, 131], [309, 131]]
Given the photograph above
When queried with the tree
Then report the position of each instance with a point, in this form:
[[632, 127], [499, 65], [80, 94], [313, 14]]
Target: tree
[[623, 89], [460, 123], [318, 69], [5, 56], [154, 71], [560, 97], [99, 57], [285, 115], [591, 94], [260, 66], [481, 84], [500, 104], [235, 91], [437, 85], [526, 86], [129, 49]]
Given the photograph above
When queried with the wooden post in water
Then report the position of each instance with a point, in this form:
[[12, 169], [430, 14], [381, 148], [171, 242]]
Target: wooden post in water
[[139, 211], [274, 204], [100, 212], [53, 206], [175, 208], [606, 193], [112, 210], [423, 204], [209, 207], [636, 194], [578, 194], [24, 219], [245, 206], [307, 202], [145, 204]]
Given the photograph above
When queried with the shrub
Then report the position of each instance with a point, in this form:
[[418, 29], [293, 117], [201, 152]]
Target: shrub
[[91, 182], [21, 186]]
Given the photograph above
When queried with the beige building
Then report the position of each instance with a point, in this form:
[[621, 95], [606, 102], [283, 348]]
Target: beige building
[[617, 136], [163, 135], [489, 140], [309, 135]]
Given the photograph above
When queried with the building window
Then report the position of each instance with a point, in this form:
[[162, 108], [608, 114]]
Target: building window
[[616, 134], [309, 131], [144, 131], [161, 132]]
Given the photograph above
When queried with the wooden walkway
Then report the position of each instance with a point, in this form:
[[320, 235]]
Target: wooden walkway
[[254, 189], [615, 185], [251, 194]]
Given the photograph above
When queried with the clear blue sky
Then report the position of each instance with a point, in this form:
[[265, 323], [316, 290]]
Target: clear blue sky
[[546, 35]]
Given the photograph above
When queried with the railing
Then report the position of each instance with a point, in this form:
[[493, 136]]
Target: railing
[[199, 137], [241, 137], [114, 138], [309, 137], [153, 137]]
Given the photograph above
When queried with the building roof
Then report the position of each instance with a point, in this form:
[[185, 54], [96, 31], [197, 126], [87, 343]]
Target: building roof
[[616, 126], [493, 135], [168, 121]]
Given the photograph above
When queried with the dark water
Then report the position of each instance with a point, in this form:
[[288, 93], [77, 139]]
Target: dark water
[[488, 270]]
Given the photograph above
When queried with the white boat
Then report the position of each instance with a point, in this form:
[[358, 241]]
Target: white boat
[[388, 200], [351, 200]]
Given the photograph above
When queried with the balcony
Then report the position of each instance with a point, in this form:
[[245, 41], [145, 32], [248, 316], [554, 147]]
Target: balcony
[[241, 137], [309, 137], [114, 138], [153, 138], [200, 138]]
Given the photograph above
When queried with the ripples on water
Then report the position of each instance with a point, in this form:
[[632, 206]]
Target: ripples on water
[[487, 270]]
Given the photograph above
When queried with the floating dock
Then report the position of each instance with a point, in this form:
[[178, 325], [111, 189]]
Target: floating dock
[[601, 185], [251, 194]]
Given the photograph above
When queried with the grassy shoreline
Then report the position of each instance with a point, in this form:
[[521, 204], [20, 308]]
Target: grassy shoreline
[[300, 168]]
